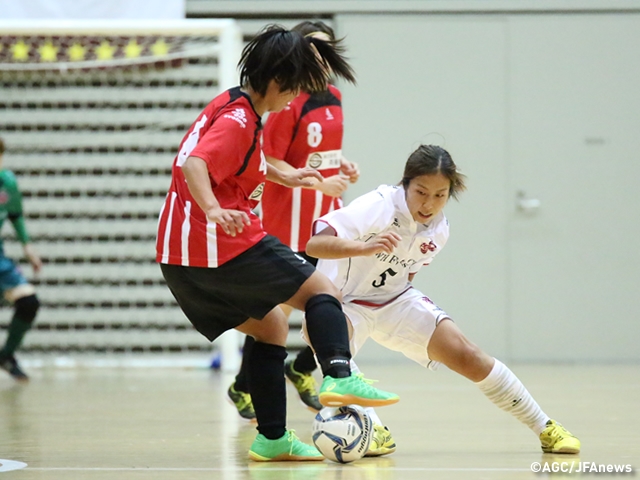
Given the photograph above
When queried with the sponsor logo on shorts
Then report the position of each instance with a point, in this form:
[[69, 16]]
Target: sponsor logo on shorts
[[302, 259]]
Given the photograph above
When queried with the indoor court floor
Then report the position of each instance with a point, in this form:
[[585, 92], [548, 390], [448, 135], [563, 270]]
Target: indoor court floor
[[175, 423]]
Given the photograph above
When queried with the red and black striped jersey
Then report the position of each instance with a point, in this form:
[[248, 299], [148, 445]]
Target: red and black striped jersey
[[308, 132], [226, 135]]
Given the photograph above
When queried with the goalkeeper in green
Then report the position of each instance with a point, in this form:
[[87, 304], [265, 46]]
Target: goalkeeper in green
[[15, 288]]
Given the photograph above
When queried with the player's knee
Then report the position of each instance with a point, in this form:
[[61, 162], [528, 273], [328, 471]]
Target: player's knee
[[323, 300], [325, 286], [27, 307]]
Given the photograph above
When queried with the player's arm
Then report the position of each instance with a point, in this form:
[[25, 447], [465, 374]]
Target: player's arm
[[332, 186], [14, 209], [326, 244], [196, 173], [290, 176]]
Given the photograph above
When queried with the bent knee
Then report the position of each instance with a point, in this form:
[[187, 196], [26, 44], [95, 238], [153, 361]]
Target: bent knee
[[27, 308]]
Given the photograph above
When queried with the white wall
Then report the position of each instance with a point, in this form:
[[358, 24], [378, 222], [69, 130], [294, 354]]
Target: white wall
[[438, 80]]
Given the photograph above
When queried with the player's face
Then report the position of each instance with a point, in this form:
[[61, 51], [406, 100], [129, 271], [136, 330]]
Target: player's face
[[427, 195]]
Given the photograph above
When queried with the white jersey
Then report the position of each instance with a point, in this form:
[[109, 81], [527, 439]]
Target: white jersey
[[382, 277]]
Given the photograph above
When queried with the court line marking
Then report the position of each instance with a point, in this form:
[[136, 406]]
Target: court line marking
[[9, 465], [275, 469]]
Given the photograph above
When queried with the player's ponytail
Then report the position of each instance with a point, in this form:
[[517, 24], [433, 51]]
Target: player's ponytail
[[332, 56]]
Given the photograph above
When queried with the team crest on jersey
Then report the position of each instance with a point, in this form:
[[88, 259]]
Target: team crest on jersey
[[315, 160], [428, 247], [239, 116], [396, 223], [257, 193], [4, 197]]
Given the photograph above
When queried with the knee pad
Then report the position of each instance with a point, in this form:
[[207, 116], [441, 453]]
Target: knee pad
[[322, 298], [26, 308]]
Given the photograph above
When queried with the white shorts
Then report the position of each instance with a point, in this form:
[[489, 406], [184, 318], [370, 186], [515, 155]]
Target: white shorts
[[404, 325]]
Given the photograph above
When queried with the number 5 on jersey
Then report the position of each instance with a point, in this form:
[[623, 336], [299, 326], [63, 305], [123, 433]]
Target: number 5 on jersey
[[383, 278]]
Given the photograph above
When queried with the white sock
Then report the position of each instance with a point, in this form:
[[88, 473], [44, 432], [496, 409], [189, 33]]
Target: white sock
[[504, 389], [369, 410]]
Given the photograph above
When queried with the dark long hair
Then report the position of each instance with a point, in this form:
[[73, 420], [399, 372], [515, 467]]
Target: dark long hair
[[432, 160], [291, 60]]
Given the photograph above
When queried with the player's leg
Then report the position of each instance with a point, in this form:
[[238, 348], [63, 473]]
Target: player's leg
[[22, 296], [449, 346], [359, 320], [299, 370], [328, 334], [238, 391], [268, 391], [197, 291]]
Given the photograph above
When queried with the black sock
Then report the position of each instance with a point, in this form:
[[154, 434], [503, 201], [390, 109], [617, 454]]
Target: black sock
[[328, 334], [305, 362], [268, 389], [242, 379]]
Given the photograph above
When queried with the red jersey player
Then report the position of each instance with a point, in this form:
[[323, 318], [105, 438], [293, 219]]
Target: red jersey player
[[224, 270], [306, 133]]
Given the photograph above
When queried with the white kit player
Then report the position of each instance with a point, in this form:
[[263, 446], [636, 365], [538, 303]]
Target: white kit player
[[373, 248]]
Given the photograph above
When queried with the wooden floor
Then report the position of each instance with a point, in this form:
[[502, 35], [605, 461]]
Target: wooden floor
[[161, 424]]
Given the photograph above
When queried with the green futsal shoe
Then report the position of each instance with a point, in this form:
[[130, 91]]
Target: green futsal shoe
[[354, 390], [286, 448]]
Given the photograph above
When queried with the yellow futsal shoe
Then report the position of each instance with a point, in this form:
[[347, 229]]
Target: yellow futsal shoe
[[382, 443], [557, 439]]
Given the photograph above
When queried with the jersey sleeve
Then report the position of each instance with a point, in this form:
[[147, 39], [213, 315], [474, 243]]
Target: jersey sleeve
[[367, 214], [224, 146], [278, 133], [14, 207]]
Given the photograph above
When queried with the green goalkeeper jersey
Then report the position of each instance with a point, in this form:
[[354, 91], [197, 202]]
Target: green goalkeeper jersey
[[11, 206]]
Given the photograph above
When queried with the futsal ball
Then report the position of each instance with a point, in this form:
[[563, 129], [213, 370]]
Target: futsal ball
[[342, 434]]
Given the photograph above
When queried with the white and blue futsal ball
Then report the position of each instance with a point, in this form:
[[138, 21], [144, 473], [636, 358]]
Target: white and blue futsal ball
[[342, 434]]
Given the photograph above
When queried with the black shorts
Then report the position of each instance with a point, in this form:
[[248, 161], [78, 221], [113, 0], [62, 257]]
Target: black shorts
[[248, 286], [312, 260]]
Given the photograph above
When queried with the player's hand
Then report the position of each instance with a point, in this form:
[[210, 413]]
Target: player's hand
[[383, 243], [350, 170], [33, 258], [333, 186], [302, 177], [232, 222]]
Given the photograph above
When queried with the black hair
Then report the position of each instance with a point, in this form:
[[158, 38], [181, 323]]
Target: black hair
[[295, 62], [432, 160], [309, 27], [1, 147]]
